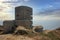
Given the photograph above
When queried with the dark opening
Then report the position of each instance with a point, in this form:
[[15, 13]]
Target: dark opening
[[21, 32]]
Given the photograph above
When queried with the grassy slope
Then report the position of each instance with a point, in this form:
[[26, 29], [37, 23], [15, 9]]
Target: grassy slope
[[52, 35]]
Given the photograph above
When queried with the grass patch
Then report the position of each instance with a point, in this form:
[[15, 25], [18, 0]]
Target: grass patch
[[52, 36]]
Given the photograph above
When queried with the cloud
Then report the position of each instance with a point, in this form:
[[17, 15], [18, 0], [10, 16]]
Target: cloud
[[5, 13], [6, 9], [47, 15], [2, 0], [26, 0], [55, 12], [13, 1], [5, 16]]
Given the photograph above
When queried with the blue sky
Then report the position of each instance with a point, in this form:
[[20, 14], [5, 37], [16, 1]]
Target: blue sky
[[45, 12]]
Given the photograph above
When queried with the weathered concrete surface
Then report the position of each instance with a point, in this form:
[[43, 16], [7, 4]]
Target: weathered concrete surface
[[8, 25], [25, 23], [23, 13]]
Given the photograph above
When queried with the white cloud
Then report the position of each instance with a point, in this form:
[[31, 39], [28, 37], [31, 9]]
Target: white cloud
[[5, 16], [14, 0], [2, 0], [7, 0], [26, 0], [4, 11]]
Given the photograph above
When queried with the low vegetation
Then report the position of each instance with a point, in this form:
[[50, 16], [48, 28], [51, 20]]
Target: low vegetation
[[29, 35]]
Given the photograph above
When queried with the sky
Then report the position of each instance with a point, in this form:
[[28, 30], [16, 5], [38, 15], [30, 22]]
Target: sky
[[45, 12]]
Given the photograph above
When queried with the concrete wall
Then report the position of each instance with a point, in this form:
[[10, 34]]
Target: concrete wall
[[8, 26], [23, 13], [25, 23]]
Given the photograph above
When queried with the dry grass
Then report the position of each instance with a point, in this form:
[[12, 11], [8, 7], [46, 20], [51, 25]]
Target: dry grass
[[51, 35], [14, 37]]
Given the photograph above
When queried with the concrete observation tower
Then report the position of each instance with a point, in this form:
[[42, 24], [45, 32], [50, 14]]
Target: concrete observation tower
[[23, 16]]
